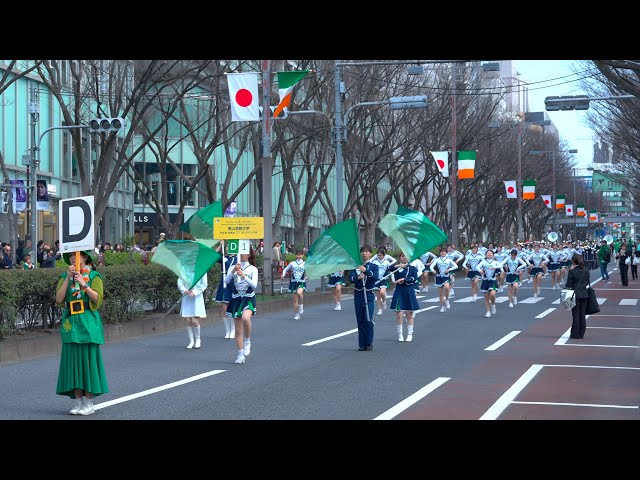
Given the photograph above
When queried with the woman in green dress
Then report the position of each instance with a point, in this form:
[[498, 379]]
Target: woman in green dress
[[81, 375]]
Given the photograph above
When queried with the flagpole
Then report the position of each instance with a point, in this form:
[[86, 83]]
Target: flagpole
[[520, 234], [454, 162], [267, 172]]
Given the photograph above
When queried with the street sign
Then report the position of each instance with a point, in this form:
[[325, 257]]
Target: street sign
[[26, 160], [236, 247], [229, 228], [76, 224]]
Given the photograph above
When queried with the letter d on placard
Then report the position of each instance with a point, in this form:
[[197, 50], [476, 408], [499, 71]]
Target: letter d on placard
[[76, 230]]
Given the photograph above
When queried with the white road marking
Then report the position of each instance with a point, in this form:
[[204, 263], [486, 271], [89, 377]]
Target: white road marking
[[502, 299], [425, 309], [407, 402], [326, 339], [531, 300], [561, 404], [629, 301], [156, 389], [545, 313], [503, 340], [507, 397], [467, 300]]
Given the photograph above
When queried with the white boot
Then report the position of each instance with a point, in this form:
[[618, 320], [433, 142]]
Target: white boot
[[240, 358], [190, 332], [197, 331], [227, 326], [409, 333], [77, 406], [399, 330]]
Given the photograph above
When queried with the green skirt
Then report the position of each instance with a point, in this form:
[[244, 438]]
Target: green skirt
[[81, 368]]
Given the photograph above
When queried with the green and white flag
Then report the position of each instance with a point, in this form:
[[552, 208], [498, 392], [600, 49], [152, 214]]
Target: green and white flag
[[560, 201], [188, 259], [414, 233], [200, 224], [336, 249], [286, 82], [580, 210], [529, 189]]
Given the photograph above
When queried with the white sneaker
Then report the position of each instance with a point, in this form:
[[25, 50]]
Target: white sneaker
[[87, 408], [515, 300], [510, 305], [232, 334], [535, 295], [554, 287], [426, 289], [493, 309], [241, 358], [197, 345], [300, 309], [452, 293], [227, 334], [296, 316], [475, 297], [443, 309], [447, 304], [246, 348], [400, 337], [76, 407], [487, 315], [384, 305], [379, 311], [409, 338]]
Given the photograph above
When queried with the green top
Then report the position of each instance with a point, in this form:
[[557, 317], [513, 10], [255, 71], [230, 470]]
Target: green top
[[83, 327], [616, 246], [602, 251]]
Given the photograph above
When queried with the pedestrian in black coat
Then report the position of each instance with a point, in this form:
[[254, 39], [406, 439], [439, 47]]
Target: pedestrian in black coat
[[578, 280], [622, 264]]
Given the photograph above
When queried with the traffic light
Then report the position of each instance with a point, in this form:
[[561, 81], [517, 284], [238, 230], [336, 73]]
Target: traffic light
[[107, 124], [577, 102]]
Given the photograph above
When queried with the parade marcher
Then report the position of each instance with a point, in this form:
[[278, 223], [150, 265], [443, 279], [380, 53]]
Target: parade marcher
[[382, 260], [457, 257], [489, 268], [442, 267], [470, 263], [243, 280], [426, 259], [223, 294], [192, 308], [364, 279], [624, 260], [81, 375], [297, 283], [578, 280], [514, 265], [536, 261], [501, 256], [336, 281], [404, 295], [556, 257]]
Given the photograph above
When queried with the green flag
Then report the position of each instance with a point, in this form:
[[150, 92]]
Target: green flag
[[412, 231], [188, 259], [336, 249], [200, 224]]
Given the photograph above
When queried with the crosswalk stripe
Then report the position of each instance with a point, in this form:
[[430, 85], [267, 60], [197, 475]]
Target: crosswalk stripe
[[436, 299], [629, 301], [557, 302], [465, 300], [502, 299], [601, 300], [531, 300]]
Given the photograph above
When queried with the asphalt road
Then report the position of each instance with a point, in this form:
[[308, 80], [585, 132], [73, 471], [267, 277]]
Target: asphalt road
[[518, 364]]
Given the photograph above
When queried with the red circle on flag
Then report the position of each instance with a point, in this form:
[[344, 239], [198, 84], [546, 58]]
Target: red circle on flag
[[440, 164], [547, 202], [569, 210], [510, 190], [244, 97]]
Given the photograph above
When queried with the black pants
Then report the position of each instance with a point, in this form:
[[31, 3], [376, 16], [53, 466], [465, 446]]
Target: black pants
[[579, 314], [624, 273], [634, 272]]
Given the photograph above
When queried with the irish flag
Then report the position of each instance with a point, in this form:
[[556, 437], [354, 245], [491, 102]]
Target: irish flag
[[547, 200], [580, 210], [466, 163], [286, 82], [560, 201], [593, 215], [529, 189], [569, 210]]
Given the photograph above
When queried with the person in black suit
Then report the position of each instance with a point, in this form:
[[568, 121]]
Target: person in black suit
[[578, 280], [622, 256]]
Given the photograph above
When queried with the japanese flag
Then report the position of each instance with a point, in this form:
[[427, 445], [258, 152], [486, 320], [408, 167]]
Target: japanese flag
[[243, 96], [442, 162], [569, 210], [510, 187]]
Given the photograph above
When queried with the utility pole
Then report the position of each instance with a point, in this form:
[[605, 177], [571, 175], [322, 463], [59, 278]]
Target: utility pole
[[553, 169], [454, 160], [338, 139], [34, 111], [267, 171]]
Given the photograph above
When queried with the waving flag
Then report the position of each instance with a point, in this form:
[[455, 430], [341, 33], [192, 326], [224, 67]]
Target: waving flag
[[529, 189], [580, 210], [336, 249], [442, 162], [510, 187], [188, 259], [243, 95], [560, 201], [412, 231], [547, 200], [466, 164], [286, 82], [200, 224], [593, 215], [569, 210]]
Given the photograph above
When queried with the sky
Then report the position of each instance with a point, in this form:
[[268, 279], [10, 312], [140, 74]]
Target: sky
[[544, 77]]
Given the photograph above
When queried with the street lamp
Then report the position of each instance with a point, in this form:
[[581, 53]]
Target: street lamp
[[553, 170]]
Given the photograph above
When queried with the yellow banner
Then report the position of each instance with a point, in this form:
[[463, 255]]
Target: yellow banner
[[229, 228]]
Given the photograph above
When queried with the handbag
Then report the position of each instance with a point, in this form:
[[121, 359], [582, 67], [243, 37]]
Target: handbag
[[627, 261], [592, 302], [568, 298]]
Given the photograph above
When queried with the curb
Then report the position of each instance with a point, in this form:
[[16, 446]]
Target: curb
[[48, 341]]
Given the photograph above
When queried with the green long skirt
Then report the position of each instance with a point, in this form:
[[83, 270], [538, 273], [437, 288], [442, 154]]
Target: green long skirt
[[81, 368]]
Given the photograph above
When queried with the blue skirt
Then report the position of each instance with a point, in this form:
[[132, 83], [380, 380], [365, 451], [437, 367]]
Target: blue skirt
[[512, 278], [488, 285], [535, 271], [294, 286], [333, 281], [471, 274], [404, 298], [223, 294], [440, 281], [553, 267]]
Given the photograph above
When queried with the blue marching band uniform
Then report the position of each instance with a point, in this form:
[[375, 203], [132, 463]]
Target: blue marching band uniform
[[223, 294], [364, 306], [404, 295]]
